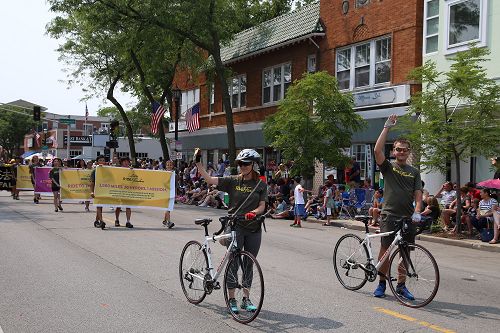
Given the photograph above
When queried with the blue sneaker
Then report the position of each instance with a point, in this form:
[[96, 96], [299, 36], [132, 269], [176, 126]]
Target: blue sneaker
[[233, 306], [403, 291], [246, 304], [380, 291]]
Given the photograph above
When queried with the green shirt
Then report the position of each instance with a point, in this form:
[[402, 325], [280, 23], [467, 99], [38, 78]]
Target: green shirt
[[400, 184], [238, 190]]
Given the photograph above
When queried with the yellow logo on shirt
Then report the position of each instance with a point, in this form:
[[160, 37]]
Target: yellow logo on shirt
[[244, 189], [402, 173]]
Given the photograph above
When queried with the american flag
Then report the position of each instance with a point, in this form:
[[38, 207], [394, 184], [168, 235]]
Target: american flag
[[86, 112], [193, 118], [156, 116]]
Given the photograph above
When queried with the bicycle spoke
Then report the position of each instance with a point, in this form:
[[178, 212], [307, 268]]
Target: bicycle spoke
[[192, 267], [348, 255]]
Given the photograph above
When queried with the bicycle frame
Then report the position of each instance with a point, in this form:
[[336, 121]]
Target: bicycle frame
[[215, 274], [367, 242]]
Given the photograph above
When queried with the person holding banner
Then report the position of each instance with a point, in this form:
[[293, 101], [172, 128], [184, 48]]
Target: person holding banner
[[14, 163], [124, 163], [99, 223], [56, 187], [169, 166], [247, 198], [87, 202], [35, 163]]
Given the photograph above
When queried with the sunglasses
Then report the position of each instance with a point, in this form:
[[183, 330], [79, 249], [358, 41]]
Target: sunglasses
[[404, 150], [240, 163]]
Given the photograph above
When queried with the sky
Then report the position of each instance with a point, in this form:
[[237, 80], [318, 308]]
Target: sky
[[29, 65]]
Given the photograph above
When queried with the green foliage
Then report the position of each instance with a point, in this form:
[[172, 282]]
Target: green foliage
[[13, 127], [314, 122], [458, 111]]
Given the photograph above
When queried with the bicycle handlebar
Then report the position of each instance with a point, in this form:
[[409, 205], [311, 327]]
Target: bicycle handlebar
[[224, 220]]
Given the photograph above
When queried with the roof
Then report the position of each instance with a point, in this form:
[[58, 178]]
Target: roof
[[297, 25], [25, 104]]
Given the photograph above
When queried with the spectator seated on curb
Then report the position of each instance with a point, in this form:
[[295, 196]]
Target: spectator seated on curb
[[448, 214], [376, 209], [496, 225], [485, 211], [430, 215], [446, 194], [212, 199], [287, 214], [198, 195]]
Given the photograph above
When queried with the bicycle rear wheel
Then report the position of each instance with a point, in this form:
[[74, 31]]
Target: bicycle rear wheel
[[347, 257], [193, 266], [243, 279], [418, 267]]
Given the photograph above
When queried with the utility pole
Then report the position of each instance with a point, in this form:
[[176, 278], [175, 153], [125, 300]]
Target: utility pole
[[68, 141], [177, 98]]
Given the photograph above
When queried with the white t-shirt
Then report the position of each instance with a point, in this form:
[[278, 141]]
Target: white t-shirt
[[448, 197], [298, 196]]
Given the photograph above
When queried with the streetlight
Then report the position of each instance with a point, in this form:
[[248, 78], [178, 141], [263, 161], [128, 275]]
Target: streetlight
[[176, 92]]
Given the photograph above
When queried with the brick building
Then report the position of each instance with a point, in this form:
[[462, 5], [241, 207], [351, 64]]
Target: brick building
[[370, 45]]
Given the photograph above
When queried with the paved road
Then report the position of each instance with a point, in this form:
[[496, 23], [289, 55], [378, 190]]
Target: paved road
[[60, 274]]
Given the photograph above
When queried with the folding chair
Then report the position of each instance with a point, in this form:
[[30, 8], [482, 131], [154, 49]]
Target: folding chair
[[347, 206], [364, 200]]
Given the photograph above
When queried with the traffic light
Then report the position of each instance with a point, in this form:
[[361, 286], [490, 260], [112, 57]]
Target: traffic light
[[114, 129], [36, 113]]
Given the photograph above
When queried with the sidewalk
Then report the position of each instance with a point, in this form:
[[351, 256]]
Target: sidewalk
[[467, 243]]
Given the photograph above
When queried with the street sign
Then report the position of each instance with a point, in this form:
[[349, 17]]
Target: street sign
[[67, 121]]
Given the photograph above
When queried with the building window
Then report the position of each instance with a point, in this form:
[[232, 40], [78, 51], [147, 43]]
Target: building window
[[87, 129], [466, 23], [141, 155], [359, 151], [431, 26], [45, 125], [73, 153], [311, 63], [275, 82], [188, 99], [237, 90], [212, 98], [122, 154], [372, 64]]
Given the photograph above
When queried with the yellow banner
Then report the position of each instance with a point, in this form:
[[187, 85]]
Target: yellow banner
[[75, 185], [23, 180], [134, 188]]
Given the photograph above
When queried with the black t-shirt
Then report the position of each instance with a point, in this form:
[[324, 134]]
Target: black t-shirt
[[238, 190], [54, 176], [356, 178], [400, 184]]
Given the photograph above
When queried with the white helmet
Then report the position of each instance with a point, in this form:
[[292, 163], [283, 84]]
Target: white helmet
[[248, 155]]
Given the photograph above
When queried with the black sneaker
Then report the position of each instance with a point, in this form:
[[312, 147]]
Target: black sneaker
[[117, 223], [170, 224], [97, 224], [60, 208], [129, 225], [102, 225]]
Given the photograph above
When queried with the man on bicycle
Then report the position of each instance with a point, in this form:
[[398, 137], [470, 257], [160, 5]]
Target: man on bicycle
[[402, 198]]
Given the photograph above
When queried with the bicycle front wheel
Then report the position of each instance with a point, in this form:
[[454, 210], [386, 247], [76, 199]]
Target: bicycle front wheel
[[243, 282], [193, 266], [348, 255], [416, 267]]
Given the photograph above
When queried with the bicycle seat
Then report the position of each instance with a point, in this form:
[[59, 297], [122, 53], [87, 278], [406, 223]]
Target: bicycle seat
[[362, 218], [202, 221]]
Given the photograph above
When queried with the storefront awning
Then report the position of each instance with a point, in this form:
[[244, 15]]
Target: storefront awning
[[28, 153]]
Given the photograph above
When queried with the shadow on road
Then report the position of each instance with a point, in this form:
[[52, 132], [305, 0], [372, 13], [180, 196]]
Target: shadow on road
[[463, 311], [270, 321]]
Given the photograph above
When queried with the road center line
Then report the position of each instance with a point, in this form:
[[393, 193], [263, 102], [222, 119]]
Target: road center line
[[411, 319]]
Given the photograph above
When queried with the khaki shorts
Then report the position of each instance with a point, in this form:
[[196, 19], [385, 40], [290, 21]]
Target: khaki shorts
[[390, 223]]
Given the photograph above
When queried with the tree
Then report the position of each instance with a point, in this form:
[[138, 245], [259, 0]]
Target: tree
[[208, 24], [314, 122], [458, 114], [138, 118], [13, 127]]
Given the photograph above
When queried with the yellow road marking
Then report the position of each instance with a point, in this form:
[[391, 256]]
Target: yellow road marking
[[411, 319]]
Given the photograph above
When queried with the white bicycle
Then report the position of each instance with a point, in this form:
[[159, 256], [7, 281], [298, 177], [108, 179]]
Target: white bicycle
[[243, 279], [354, 264]]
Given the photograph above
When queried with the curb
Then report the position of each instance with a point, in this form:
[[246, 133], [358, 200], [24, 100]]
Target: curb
[[471, 244]]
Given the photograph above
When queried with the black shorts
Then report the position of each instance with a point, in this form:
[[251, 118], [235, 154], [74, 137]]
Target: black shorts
[[390, 223], [55, 188]]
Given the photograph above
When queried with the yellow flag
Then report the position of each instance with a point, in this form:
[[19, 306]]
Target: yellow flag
[[75, 185], [134, 188], [23, 180]]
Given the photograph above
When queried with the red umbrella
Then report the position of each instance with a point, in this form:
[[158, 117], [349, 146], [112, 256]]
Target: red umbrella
[[490, 183]]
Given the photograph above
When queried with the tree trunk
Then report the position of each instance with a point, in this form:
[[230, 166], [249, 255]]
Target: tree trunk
[[226, 102], [459, 203], [130, 133]]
